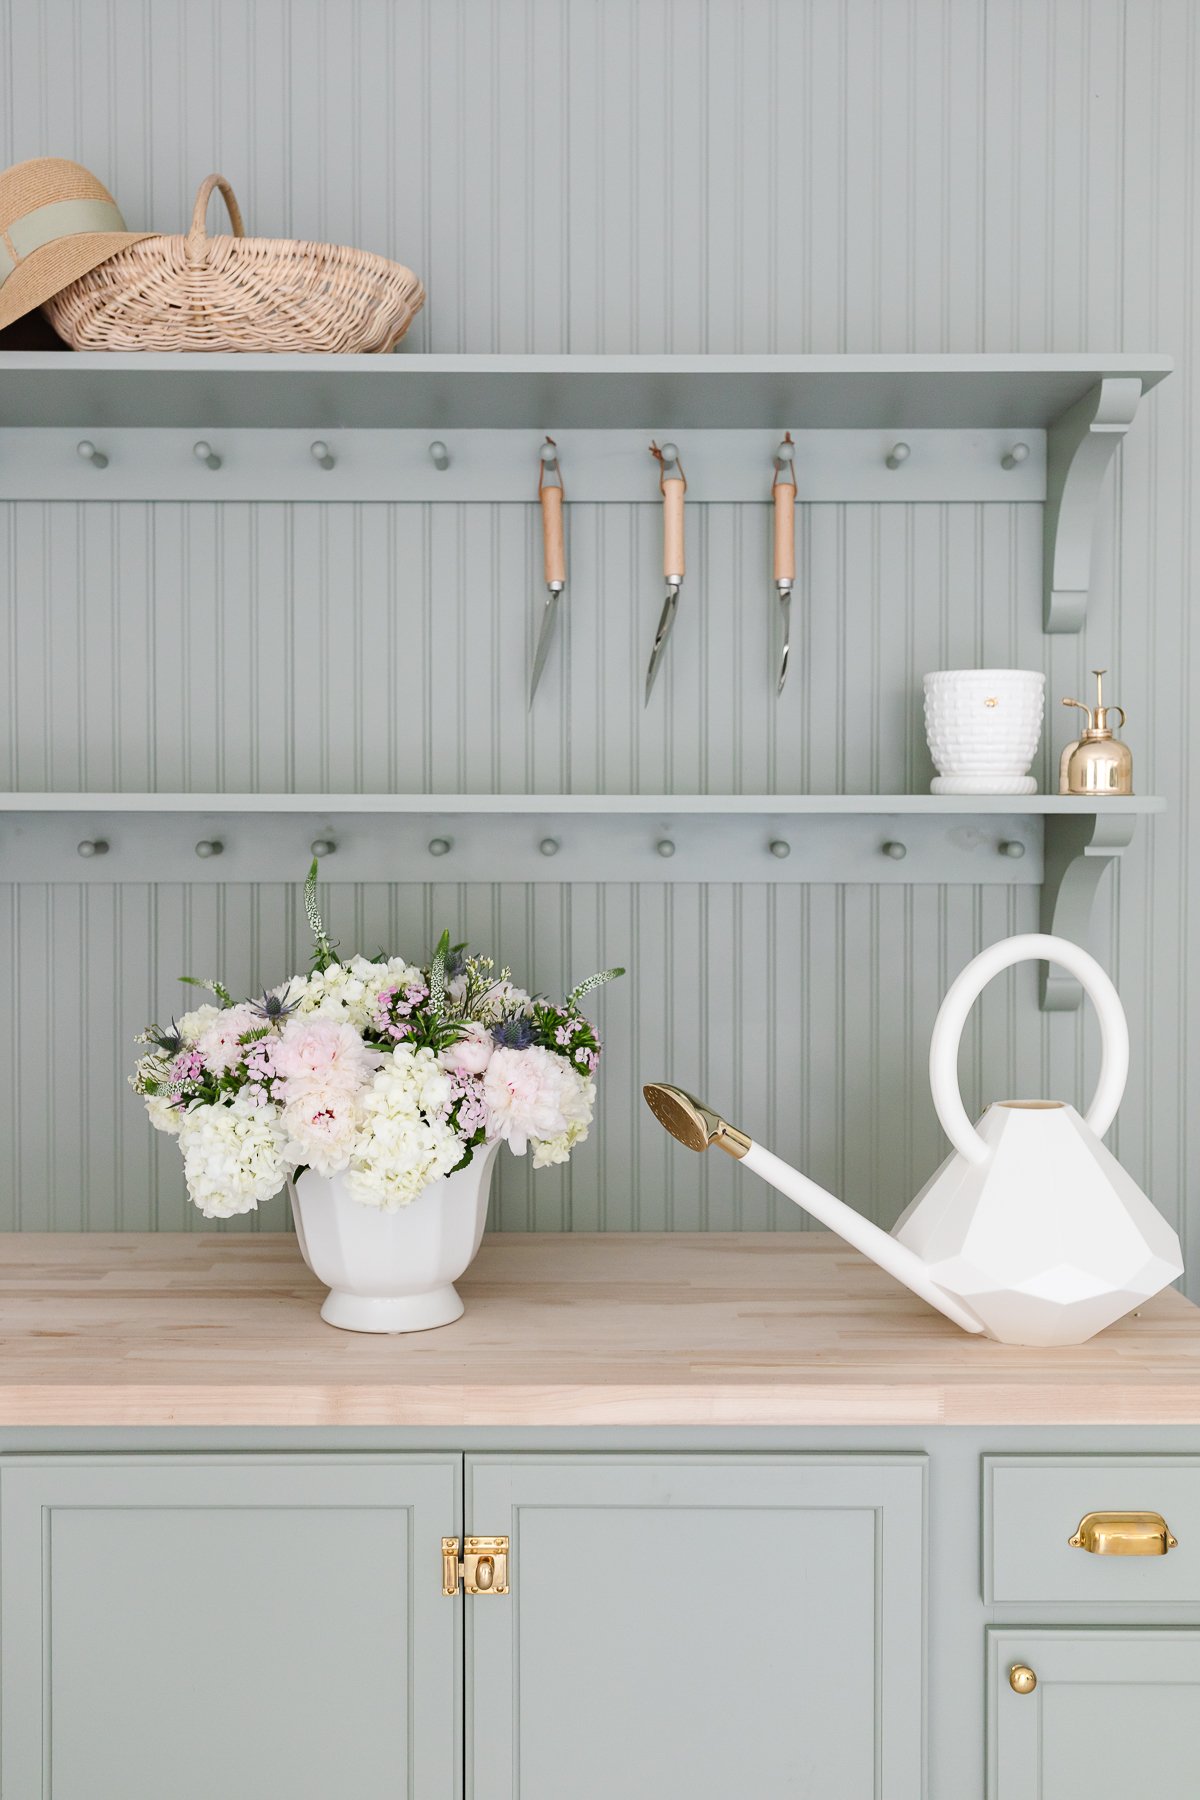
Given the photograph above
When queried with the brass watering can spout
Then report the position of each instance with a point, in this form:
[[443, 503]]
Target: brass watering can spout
[[694, 1124]]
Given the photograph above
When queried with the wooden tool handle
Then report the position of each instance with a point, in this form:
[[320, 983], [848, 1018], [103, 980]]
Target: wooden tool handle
[[785, 530], [554, 554], [673, 566]]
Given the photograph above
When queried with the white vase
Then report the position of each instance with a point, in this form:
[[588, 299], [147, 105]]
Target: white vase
[[392, 1271], [983, 727]]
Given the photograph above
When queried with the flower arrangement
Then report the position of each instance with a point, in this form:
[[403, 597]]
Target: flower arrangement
[[380, 1070]]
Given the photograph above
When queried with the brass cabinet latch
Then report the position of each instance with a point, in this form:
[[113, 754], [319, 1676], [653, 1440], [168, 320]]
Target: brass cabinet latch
[[482, 1569], [1123, 1534]]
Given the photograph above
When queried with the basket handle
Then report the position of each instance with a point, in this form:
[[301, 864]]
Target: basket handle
[[197, 235]]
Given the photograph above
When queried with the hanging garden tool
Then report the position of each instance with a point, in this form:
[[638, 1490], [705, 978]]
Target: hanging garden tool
[[554, 556], [674, 486], [783, 493]]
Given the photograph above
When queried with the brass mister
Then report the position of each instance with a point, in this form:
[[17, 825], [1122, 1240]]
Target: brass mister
[[1096, 763]]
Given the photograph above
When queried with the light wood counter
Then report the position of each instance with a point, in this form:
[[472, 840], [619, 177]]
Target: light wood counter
[[753, 1329]]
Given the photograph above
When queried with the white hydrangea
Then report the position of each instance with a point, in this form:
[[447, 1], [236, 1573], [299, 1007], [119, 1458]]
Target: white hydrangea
[[404, 1143], [233, 1157], [350, 991]]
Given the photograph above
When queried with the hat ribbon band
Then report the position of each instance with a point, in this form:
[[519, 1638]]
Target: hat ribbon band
[[58, 219]]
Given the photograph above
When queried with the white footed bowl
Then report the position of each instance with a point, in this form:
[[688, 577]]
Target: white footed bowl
[[983, 727], [392, 1271]]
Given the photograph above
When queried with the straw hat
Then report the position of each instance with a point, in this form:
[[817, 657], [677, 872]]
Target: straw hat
[[56, 222]]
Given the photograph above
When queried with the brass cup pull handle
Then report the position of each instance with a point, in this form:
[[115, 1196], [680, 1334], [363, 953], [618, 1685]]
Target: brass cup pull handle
[[1021, 1679], [1123, 1534]]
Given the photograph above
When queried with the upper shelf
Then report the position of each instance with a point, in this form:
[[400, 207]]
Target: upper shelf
[[867, 428], [535, 806], [544, 393]]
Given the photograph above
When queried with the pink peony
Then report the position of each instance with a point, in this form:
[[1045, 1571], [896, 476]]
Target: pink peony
[[322, 1054], [472, 1053], [322, 1125], [218, 1042], [530, 1094]]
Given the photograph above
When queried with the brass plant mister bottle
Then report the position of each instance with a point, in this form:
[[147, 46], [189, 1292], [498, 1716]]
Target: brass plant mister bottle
[[1097, 763]]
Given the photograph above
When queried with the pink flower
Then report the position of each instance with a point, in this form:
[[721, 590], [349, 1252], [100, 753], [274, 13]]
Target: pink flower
[[218, 1042], [530, 1094], [472, 1053], [319, 1053], [322, 1124]]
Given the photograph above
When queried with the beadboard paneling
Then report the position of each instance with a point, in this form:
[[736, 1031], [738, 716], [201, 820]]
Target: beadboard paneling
[[639, 175]]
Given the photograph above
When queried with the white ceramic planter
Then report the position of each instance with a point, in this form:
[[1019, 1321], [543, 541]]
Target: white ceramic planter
[[392, 1271], [983, 727]]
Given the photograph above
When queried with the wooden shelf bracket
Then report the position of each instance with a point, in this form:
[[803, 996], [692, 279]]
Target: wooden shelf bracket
[[1078, 849], [1080, 446]]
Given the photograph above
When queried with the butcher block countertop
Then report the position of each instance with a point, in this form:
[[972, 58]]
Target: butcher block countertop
[[746, 1329]]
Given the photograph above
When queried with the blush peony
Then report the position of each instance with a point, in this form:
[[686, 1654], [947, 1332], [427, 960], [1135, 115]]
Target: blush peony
[[322, 1054], [531, 1095]]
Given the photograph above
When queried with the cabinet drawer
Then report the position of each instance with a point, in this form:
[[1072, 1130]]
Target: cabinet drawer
[[1033, 1506]]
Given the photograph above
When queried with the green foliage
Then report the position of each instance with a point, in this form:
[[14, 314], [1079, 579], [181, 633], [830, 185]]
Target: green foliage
[[213, 987]]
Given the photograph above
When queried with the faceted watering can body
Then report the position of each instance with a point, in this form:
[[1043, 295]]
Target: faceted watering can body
[[1030, 1231], [1030, 1221]]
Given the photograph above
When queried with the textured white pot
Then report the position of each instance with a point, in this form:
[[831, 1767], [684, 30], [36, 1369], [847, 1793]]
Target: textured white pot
[[392, 1271], [983, 727]]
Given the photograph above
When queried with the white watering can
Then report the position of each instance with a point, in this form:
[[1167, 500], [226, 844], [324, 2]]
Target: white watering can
[[1030, 1232]]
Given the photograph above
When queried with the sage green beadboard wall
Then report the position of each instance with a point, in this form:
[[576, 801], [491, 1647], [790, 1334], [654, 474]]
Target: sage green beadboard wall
[[754, 175]]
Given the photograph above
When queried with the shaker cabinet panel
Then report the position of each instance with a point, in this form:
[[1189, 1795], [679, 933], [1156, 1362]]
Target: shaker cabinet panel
[[237, 1626], [696, 1627], [1114, 1713]]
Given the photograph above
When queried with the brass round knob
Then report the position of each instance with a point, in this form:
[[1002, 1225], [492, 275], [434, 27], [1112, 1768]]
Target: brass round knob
[[1021, 1679]]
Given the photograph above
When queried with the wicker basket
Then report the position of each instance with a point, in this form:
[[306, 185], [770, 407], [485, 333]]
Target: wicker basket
[[237, 293]]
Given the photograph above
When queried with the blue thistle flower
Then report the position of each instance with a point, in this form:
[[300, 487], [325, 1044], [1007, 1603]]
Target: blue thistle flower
[[275, 1006], [169, 1042], [513, 1034]]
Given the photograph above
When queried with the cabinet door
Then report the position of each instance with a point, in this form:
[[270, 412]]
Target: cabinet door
[[695, 1628], [177, 1628], [1115, 1713]]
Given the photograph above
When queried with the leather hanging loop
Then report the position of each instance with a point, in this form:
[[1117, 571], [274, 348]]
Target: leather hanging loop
[[657, 454]]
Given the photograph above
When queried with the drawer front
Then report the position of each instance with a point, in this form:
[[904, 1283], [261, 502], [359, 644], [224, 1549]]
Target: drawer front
[[1033, 1506]]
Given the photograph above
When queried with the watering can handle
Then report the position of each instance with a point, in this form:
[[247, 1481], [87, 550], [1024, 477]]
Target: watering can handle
[[1034, 946]]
